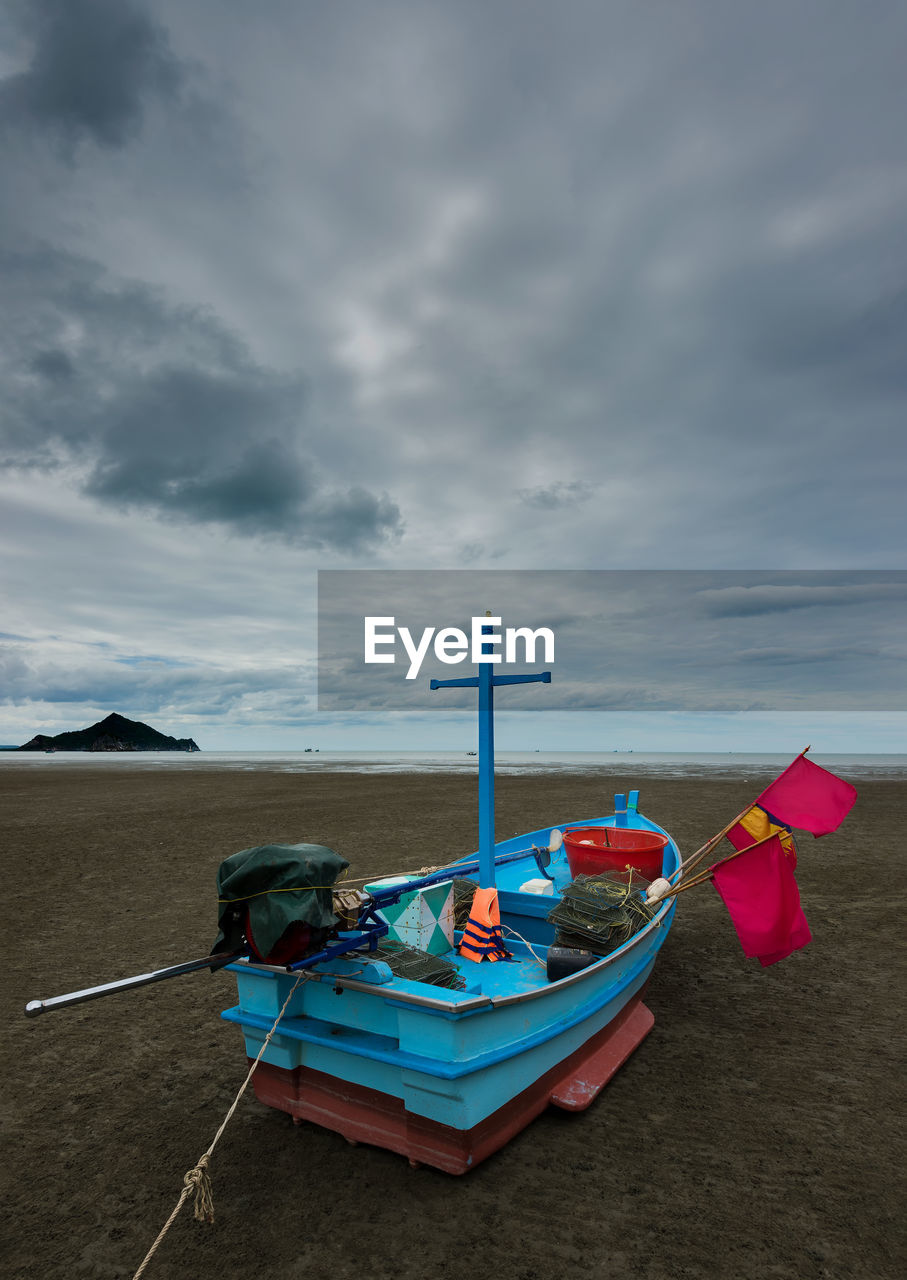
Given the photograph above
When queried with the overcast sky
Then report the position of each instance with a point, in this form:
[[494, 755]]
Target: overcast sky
[[434, 285]]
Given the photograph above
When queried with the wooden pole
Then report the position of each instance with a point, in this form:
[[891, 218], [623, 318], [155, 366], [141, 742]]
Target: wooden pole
[[710, 844], [707, 874]]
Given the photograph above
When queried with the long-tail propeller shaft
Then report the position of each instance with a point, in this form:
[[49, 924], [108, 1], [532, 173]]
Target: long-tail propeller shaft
[[34, 1007]]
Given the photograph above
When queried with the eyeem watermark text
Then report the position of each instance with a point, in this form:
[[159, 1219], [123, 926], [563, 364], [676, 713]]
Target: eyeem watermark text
[[452, 645]]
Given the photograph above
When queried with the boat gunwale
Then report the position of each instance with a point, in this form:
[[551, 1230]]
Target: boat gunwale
[[383, 989]]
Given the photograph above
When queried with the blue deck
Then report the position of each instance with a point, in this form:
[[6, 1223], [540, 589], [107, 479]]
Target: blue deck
[[506, 978]]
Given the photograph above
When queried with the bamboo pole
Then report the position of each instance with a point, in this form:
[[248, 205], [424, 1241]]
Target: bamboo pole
[[710, 844], [708, 874]]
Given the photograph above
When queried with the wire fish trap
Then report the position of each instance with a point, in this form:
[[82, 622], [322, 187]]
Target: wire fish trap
[[419, 966], [599, 913], [464, 892]]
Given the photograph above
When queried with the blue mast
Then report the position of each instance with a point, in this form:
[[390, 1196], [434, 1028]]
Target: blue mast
[[485, 683]]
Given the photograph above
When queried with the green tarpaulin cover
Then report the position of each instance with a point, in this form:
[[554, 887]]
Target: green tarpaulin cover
[[281, 884]]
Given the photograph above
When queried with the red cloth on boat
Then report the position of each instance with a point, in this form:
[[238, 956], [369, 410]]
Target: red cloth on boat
[[763, 901], [808, 796]]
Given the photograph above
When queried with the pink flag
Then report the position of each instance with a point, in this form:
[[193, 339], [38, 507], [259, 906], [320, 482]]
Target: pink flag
[[808, 797], [762, 898]]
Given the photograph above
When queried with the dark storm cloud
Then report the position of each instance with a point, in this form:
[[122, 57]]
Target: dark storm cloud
[[544, 496], [54, 365], [93, 65], [162, 408], [856, 344], [148, 404], [775, 655], [652, 253], [686, 263], [782, 597]]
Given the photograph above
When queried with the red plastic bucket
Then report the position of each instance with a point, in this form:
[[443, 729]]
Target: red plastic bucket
[[592, 850]]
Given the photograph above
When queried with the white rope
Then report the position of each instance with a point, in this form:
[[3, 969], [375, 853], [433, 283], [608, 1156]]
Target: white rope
[[507, 929]]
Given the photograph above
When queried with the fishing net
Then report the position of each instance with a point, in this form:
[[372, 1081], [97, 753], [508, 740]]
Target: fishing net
[[464, 892], [418, 966], [599, 913]]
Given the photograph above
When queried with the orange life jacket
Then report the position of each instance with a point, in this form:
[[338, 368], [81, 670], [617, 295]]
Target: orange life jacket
[[482, 937]]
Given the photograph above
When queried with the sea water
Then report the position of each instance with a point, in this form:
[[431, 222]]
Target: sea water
[[625, 765]]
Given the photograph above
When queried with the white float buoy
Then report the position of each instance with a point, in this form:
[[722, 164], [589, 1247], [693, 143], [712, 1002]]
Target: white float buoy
[[657, 890]]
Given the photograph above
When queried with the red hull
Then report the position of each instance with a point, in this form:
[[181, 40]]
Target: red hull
[[361, 1114]]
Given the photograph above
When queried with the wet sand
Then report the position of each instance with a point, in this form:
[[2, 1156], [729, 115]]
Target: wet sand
[[757, 1132]]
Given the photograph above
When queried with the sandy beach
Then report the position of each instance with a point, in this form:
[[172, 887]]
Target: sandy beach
[[754, 1134]]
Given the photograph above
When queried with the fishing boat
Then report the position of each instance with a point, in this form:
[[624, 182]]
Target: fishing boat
[[445, 1075]]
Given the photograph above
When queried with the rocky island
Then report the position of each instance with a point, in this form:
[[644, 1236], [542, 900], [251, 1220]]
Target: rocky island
[[115, 733]]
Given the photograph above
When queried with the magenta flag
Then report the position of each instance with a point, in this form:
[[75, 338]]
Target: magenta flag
[[809, 797], [763, 901]]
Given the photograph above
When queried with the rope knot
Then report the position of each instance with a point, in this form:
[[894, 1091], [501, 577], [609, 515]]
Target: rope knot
[[198, 1181]]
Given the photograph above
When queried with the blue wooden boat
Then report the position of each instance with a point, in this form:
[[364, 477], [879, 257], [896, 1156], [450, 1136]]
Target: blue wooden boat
[[446, 1077]]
